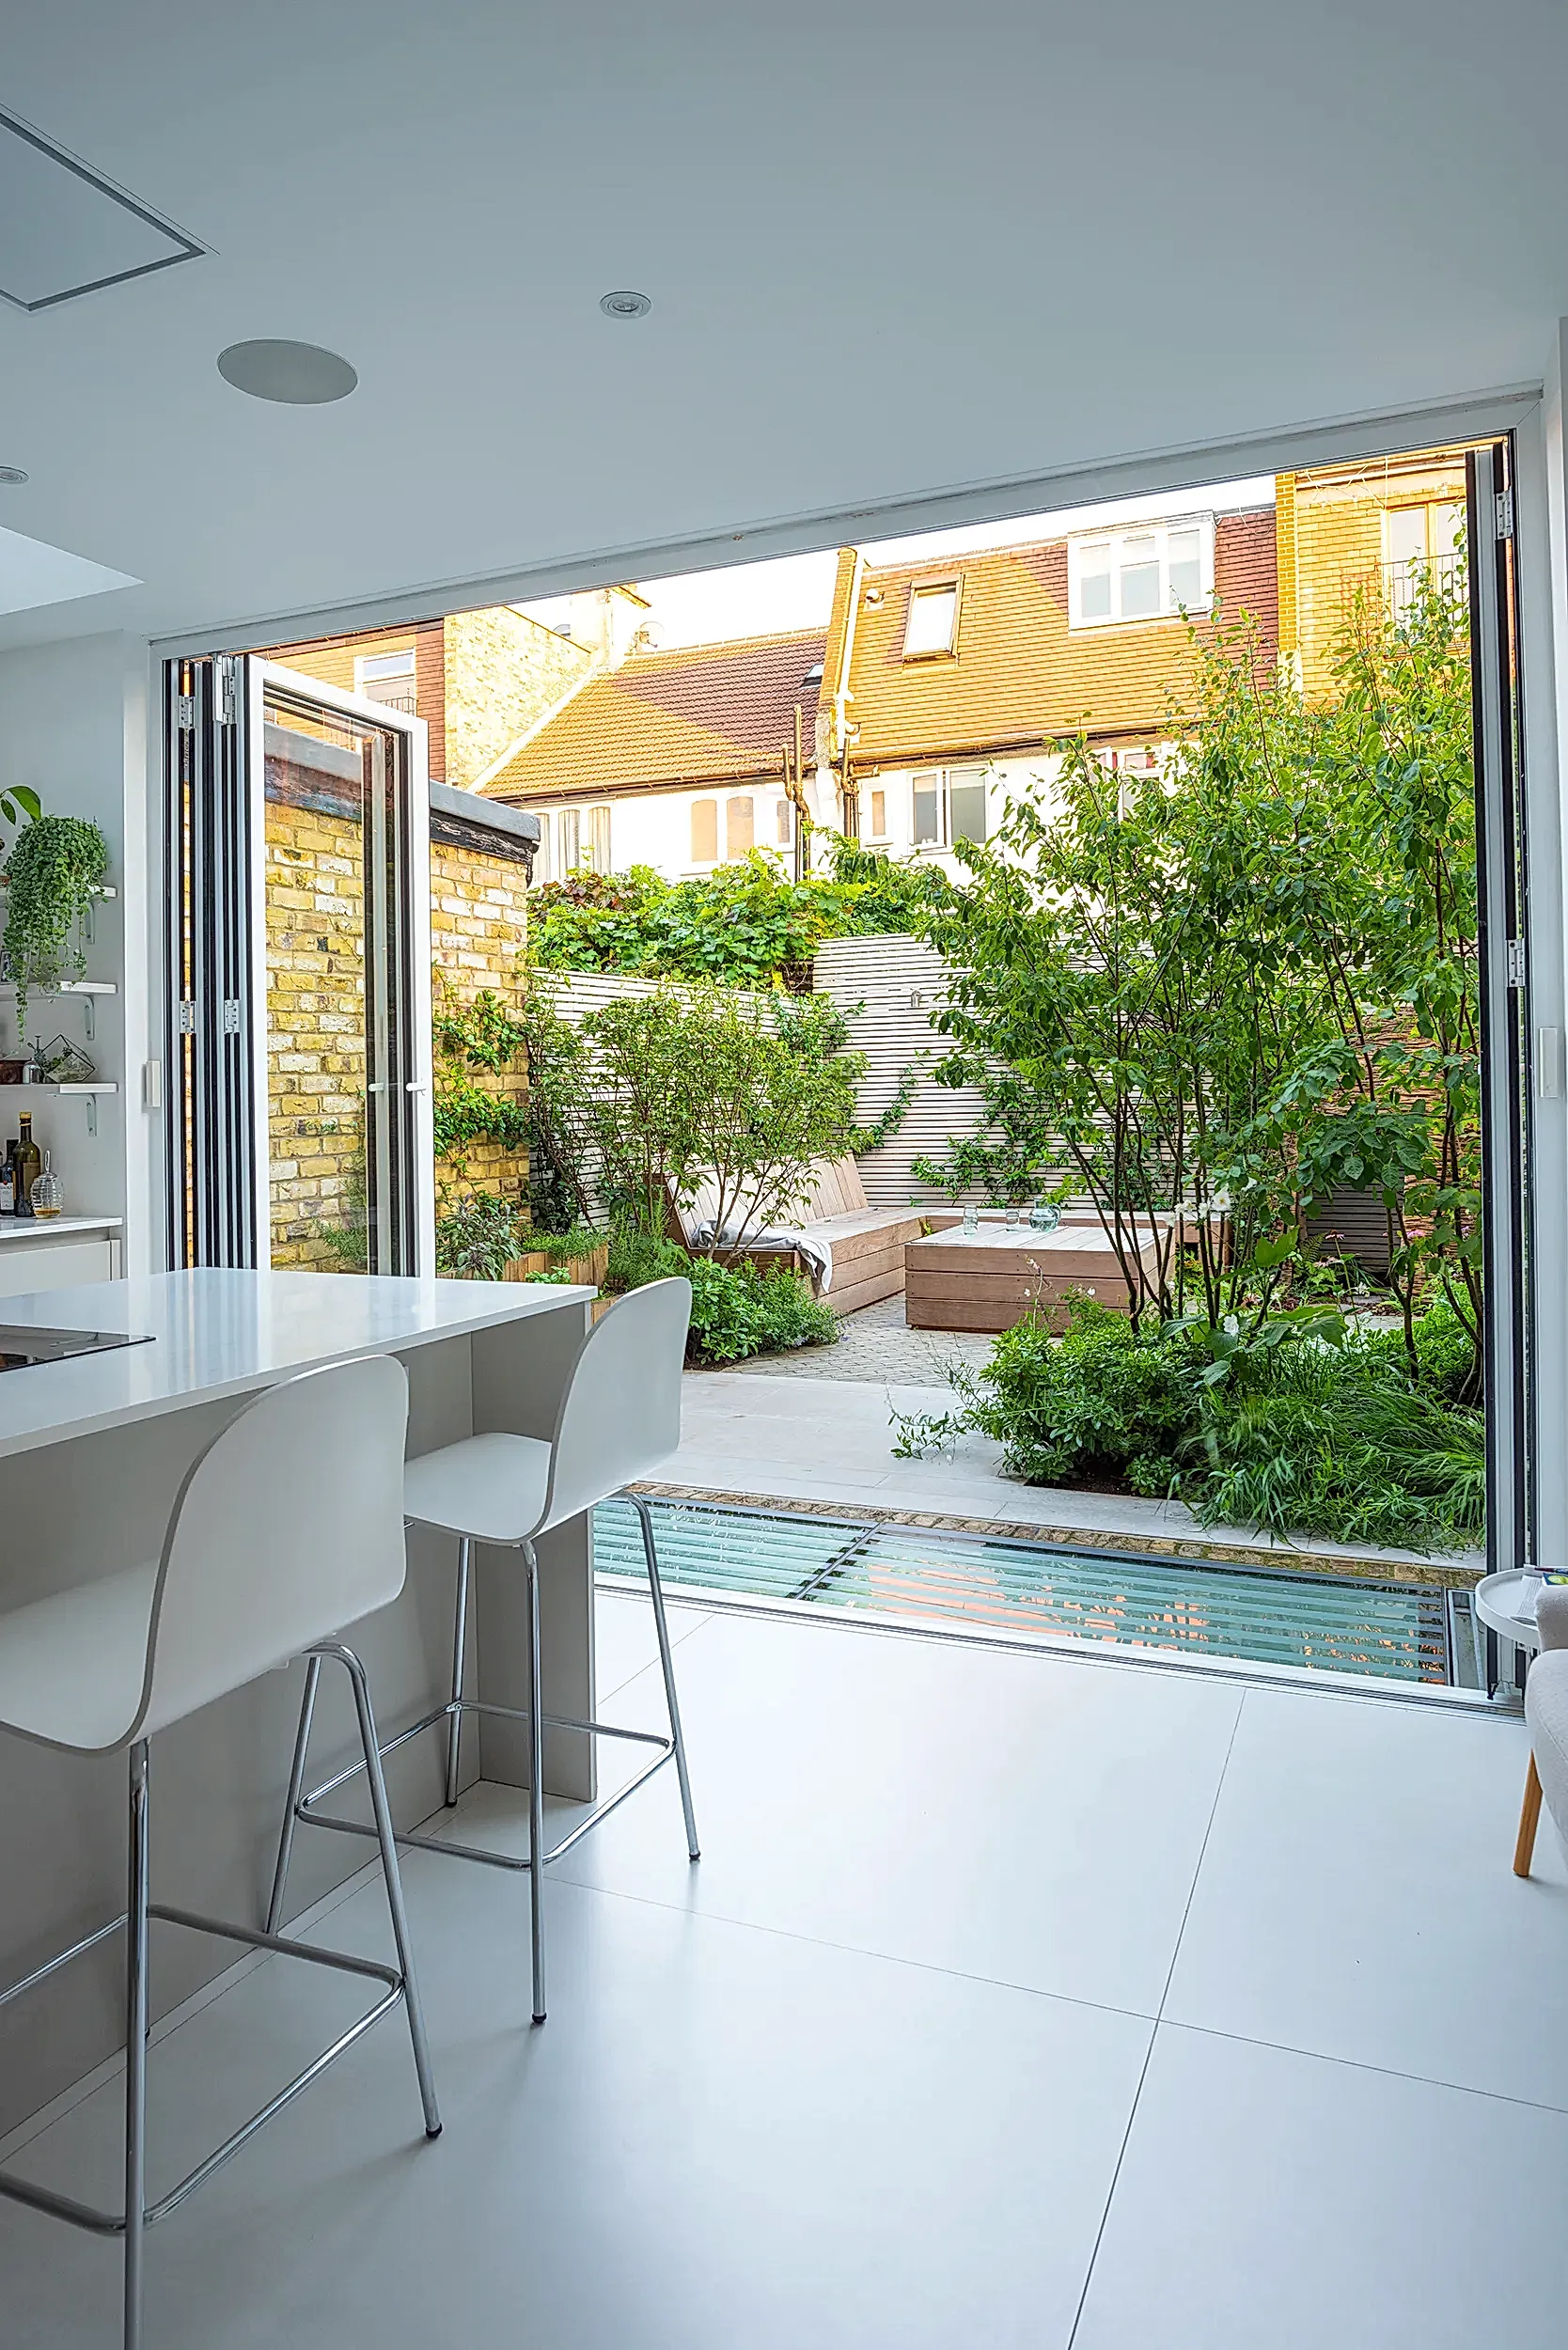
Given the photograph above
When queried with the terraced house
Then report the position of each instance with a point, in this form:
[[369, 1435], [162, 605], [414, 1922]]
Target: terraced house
[[934, 687]]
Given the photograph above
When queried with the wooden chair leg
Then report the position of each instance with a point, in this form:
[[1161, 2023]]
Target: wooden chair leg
[[1530, 1816]]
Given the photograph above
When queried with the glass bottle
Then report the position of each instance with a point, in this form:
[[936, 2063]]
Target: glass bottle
[[27, 1165], [7, 1179], [48, 1192]]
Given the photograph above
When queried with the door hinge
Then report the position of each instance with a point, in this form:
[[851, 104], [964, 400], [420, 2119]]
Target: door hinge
[[184, 713], [187, 1018], [231, 1015], [1503, 509], [223, 681], [1515, 963]]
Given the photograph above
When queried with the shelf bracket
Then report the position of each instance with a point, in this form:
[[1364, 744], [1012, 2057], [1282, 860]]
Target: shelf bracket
[[90, 1023], [92, 1113]]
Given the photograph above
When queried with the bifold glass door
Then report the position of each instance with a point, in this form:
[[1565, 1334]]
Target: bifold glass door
[[316, 1143]]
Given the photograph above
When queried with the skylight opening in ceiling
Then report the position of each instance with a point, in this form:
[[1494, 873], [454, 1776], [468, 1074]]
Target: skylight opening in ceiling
[[64, 230], [32, 573]]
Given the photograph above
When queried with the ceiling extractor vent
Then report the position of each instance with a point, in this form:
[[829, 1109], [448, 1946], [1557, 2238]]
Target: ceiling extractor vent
[[66, 230]]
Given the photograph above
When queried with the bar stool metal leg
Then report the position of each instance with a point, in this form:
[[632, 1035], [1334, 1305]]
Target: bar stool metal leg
[[661, 1623], [136, 2044], [459, 1638], [390, 1871], [296, 1788], [535, 1781]]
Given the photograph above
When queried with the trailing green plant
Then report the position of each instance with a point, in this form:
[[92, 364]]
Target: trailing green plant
[[55, 866]]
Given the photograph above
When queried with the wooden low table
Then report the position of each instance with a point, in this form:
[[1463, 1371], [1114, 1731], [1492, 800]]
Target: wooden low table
[[993, 1278]]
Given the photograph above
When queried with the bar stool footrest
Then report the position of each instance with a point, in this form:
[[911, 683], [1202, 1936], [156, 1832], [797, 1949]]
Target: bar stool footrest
[[419, 1842], [95, 2223]]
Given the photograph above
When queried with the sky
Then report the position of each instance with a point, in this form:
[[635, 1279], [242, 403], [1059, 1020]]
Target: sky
[[794, 590]]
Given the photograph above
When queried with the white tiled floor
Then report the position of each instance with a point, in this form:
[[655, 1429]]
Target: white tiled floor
[[1017, 2002]]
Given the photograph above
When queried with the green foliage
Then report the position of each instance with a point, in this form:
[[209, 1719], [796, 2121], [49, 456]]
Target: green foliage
[[744, 925], [1298, 1425], [637, 1258], [1246, 979], [736, 1311], [475, 1039], [478, 1239], [56, 865], [19, 800], [689, 1090]]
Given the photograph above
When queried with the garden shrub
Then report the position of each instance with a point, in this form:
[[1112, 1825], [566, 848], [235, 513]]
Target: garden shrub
[[737, 1311], [1303, 1436], [743, 925]]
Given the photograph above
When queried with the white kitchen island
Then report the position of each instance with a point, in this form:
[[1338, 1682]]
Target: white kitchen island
[[92, 1453]]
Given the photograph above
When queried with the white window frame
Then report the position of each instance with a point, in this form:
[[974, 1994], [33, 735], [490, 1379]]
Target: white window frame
[[704, 864], [372, 669], [884, 830], [945, 778], [953, 585], [1090, 541]]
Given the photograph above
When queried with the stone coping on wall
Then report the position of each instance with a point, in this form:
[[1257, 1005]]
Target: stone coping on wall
[[1229, 1547]]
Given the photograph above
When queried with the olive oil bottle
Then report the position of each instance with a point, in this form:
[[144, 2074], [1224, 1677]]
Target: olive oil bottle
[[26, 1166]]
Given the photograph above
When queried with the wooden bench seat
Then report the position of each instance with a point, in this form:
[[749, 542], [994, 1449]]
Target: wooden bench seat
[[867, 1243]]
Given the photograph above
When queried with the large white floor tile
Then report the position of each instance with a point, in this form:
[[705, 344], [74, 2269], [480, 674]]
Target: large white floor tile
[[625, 1643], [1275, 2201], [720, 2138], [1357, 1898], [1034, 1821]]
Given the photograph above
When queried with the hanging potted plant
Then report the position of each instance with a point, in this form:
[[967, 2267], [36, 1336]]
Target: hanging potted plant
[[56, 867]]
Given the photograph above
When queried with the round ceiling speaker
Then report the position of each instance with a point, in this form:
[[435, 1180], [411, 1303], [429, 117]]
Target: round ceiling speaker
[[300, 375]]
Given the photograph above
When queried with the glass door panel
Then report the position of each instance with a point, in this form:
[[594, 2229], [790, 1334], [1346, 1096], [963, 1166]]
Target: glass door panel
[[346, 864]]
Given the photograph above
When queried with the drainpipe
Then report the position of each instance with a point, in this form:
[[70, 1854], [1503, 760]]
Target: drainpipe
[[841, 694]]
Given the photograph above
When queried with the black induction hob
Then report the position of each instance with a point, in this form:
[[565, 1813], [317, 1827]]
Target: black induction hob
[[22, 1347]]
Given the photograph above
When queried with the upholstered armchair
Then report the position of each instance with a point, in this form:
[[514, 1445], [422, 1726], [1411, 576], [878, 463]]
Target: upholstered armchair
[[1547, 1715]]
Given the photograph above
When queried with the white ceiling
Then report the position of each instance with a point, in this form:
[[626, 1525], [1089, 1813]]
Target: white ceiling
[[893, 248]]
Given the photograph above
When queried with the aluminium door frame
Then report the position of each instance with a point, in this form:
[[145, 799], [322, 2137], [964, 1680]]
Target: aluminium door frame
[[414, 978], [1516, 408]]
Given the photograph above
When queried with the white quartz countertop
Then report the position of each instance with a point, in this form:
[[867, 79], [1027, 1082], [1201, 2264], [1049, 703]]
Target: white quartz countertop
[[224, 1333], [42, 1228]]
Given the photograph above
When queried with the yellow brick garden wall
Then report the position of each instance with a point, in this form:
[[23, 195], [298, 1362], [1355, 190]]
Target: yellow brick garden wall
[[479, 929], [315, 1027], [316, 1019]]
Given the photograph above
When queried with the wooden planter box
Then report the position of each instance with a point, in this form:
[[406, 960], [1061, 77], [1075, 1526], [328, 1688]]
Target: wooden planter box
[[588, 1271], [992, 1280]]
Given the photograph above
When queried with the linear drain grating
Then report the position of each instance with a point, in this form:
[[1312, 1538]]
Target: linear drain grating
[[1334, 1623]]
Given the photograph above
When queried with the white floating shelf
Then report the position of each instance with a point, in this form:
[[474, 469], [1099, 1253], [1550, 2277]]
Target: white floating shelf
[[96, 1086], [66, 987]]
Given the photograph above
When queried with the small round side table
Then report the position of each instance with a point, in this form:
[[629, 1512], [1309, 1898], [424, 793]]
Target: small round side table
[[1492, 1600]]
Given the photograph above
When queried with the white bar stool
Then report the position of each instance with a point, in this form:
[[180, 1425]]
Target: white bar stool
[[102, 1668], [619, 1419]]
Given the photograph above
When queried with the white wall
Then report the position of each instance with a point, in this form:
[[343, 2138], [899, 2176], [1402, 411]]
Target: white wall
[[655, 827], [73, 724]]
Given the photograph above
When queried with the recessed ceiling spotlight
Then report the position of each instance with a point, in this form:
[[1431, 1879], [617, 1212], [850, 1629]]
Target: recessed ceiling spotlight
[[625, 304], [300, 375], [11, 477]]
